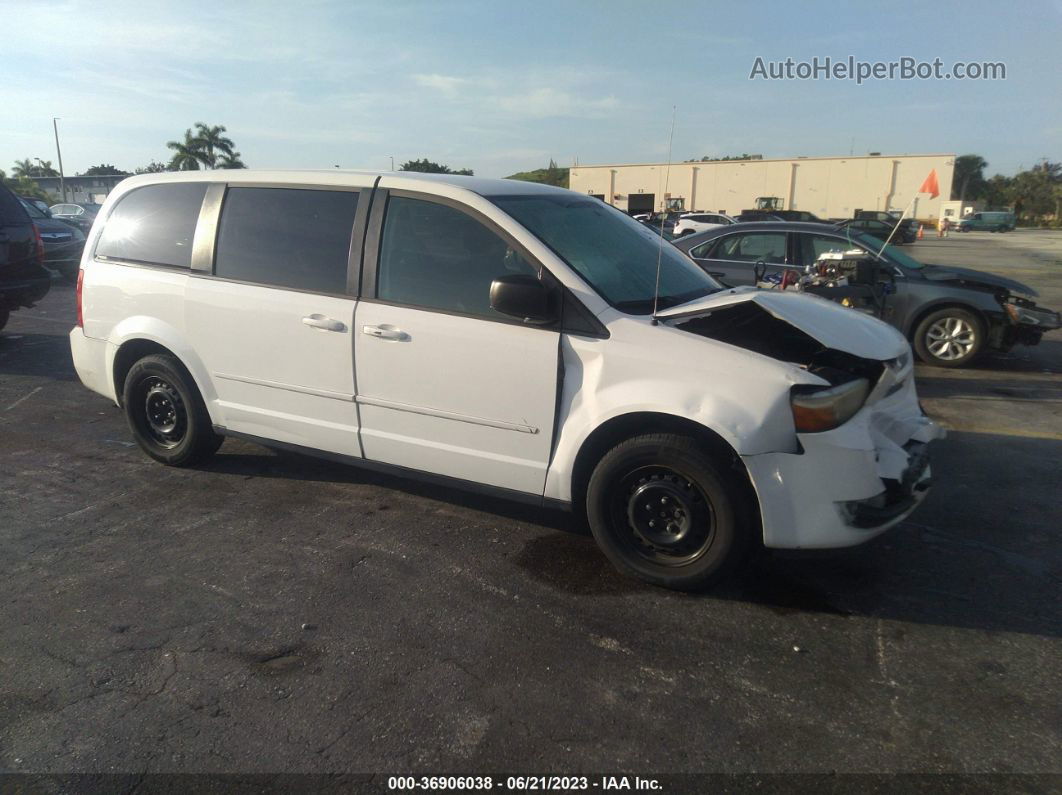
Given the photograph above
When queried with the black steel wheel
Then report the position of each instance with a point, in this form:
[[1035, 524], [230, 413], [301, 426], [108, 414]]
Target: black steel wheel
[[166, 412], [662, 509], [667, 516], [164, 409]]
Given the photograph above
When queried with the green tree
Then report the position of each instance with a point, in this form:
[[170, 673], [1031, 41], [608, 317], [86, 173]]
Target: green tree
[[23, 168], [212, 143], [230, 160], [186, 153], [1033, 193], [154, 167], [105, 170], [27, 168], [968, 181], [996, 191], [551, 175], [208, 147], [25, 186], [426, 166]]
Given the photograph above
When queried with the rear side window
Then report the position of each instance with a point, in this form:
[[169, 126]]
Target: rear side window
[[752, 247], [12, 213], [286, 237], [154, 224]]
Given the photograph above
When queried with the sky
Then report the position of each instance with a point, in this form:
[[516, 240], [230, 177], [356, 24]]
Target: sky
[[503, 86]]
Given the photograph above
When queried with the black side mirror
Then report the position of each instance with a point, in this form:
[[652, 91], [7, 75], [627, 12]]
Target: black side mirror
[[524, 297]]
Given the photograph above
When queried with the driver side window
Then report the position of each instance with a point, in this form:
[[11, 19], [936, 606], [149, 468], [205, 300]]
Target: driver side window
[[814, 246], [436, 257]]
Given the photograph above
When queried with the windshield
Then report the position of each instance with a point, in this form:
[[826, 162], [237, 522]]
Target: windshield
[[891, 253], [615, 254]]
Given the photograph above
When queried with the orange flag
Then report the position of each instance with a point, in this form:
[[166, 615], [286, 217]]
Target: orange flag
[[931, 186]]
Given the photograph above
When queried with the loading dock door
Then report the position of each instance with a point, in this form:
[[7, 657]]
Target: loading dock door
[[640, 202]]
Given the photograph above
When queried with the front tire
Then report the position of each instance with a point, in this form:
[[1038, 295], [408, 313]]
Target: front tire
[[950, 337], [664, 511], [166, 413]]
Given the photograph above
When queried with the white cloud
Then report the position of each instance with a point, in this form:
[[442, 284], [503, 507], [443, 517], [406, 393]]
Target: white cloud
[[546, 102], [447, 84]]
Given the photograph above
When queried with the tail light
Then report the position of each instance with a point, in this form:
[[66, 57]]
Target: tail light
[[80, 288], [40, 245]]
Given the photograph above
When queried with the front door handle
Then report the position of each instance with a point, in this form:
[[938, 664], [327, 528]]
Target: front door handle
[[385, 333], [324, 323]]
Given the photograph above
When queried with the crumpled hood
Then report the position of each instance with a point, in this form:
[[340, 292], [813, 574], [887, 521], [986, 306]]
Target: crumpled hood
[[946, 273], [830, 324]]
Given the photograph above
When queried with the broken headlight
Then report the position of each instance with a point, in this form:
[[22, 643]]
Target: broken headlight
[[818, 409], [1024, 312]]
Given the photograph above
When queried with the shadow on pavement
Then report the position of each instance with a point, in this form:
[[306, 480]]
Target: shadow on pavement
[[966, 559]]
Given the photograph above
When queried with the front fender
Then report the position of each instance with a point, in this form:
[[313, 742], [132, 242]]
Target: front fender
[[744, 404]]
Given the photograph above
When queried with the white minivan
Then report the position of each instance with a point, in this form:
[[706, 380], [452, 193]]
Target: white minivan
[[503, 336]]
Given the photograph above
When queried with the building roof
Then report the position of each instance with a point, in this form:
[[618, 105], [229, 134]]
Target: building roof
[[760, 160]]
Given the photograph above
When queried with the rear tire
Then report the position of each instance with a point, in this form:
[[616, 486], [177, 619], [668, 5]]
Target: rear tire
[[949, 337], [664, 511], [166, 413], [5, 315]]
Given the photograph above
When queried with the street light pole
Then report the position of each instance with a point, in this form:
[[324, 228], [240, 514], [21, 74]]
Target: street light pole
[[59, 152], [392, 162]]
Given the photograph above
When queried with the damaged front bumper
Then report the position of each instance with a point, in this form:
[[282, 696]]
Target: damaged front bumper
[[1028, 323], [847, 485]]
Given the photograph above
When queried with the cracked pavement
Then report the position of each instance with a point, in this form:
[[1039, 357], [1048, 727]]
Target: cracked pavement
[[274, 613]]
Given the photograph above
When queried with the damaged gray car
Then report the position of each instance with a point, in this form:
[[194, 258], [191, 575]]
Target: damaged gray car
[[951, 315]]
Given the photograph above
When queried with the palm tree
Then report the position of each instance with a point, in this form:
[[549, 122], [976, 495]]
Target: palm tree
[[230, 160], [24, 168], [969, 176], [212, 142], [187, 154]]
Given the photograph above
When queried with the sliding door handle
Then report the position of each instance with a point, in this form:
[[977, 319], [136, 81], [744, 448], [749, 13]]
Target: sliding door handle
[[324, 323], [385, 333]]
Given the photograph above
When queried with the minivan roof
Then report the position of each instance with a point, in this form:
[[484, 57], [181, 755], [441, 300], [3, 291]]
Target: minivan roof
[[349, 178]]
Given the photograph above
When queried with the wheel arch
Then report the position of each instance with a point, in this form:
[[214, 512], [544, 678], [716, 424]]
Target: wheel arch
[[128, 354], [626, 426], [945, 303]]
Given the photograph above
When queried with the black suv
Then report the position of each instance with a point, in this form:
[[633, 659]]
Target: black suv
[[23, 278]]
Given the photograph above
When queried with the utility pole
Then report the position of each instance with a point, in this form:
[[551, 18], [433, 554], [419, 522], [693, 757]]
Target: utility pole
[[58, 151], [392, 162]]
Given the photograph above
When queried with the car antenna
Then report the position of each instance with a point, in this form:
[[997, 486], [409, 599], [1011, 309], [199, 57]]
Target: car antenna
[[660, 240]]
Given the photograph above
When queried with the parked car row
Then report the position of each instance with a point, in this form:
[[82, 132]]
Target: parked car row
[[882, 225], [62, 241], [23, 277], [950, 314]]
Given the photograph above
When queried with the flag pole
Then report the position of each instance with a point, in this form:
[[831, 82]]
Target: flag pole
[[930, 186], [897, 226]]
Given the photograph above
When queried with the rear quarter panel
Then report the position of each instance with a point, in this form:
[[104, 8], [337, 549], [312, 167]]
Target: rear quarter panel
[[128, 302]]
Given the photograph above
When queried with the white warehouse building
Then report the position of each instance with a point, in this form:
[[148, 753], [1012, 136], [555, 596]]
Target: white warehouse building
[[829, 187]]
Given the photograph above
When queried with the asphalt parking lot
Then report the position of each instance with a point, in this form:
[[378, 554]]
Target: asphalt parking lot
[[273, 613]]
